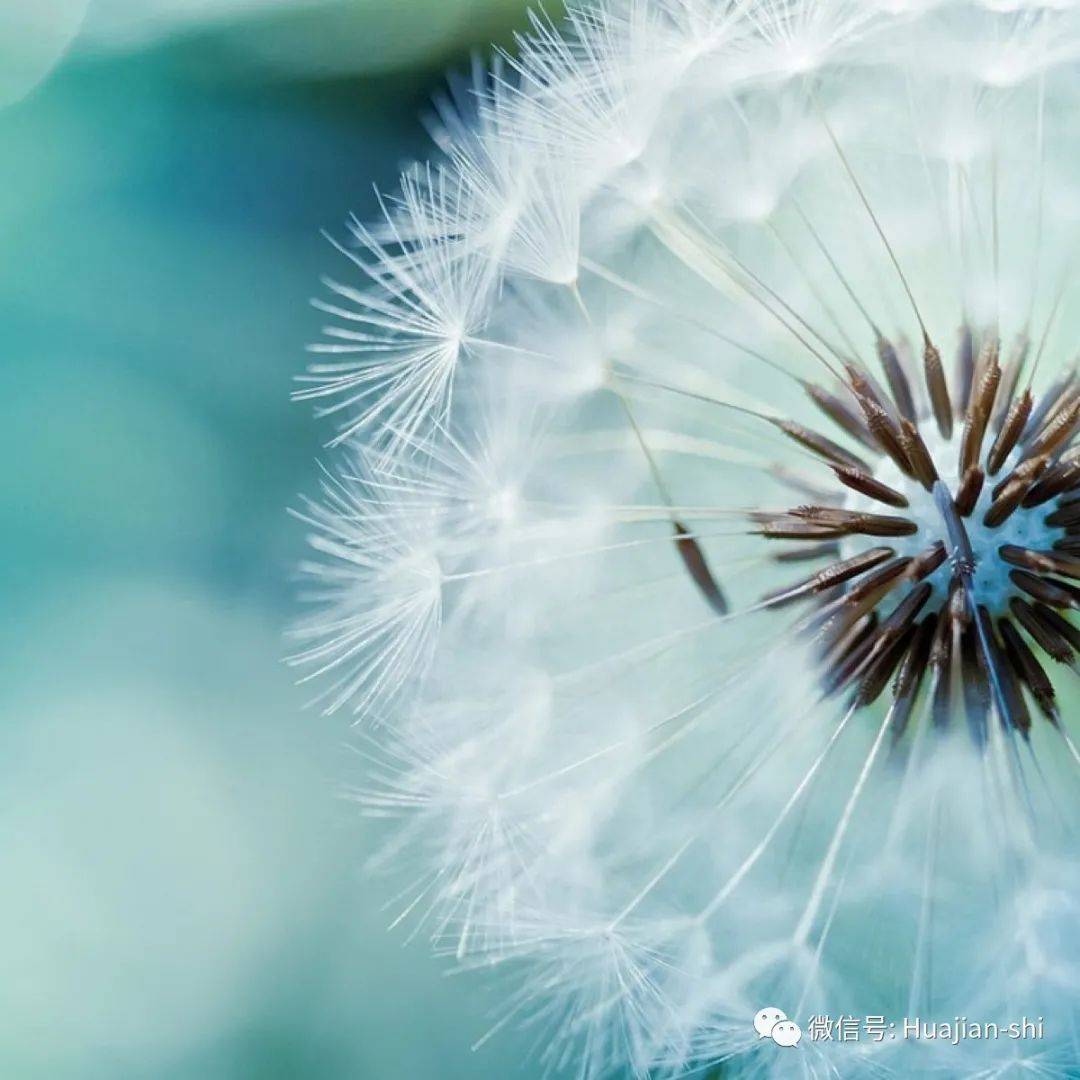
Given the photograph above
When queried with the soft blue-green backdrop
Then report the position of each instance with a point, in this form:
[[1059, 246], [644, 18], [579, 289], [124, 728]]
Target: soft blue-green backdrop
[[182, 886]]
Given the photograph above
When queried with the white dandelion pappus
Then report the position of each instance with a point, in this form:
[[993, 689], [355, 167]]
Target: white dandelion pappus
[[706, 578], [377, 585], [399, 342]]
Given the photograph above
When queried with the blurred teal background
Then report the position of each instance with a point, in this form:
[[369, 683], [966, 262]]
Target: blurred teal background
[[183, 891]]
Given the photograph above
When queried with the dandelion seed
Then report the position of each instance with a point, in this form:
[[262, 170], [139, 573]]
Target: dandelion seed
[[705, 589]]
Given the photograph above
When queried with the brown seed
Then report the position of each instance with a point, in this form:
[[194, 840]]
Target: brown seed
[[926, 562], [884, 525], [861, 598], [846, 569], [830, 576], [848, 665], [694, 560], [940, 661], [1067, 586], [896, 377], [974, 682], [785, 529], [1016, 710], [937, 388], [880, 670], [1057, 430], [965, 367], [1064, 516], [967, 494], [882, 578], [1048, 404], [906, 612], [1045, 626], [1011, 371], [1002, 508], [1009, 434], [959, 609], [978, 414], [1028, 668], [885, 431], [915, 450], [867, 485], [840, 414], [1042, 562], [1010, 492], [862, 386], [836, 646], [818, 444], [1029, 471], [910, 675], [893, 628], [1048, 592], [1064, 476], [987, 358], [1062, 626], [857, 522]]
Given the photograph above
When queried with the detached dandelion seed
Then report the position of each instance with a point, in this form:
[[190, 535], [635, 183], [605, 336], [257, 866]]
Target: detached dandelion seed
[[700, 554]]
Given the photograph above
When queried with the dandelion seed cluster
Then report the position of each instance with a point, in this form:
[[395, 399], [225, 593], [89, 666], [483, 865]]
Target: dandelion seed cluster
[[699, 546]]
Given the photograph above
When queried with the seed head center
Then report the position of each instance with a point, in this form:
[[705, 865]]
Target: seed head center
[[1025, 528]]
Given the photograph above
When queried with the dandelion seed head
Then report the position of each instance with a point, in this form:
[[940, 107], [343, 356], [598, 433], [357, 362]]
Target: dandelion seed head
[[701, 548]]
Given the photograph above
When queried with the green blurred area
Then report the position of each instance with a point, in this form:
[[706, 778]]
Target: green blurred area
[[184, 892]]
